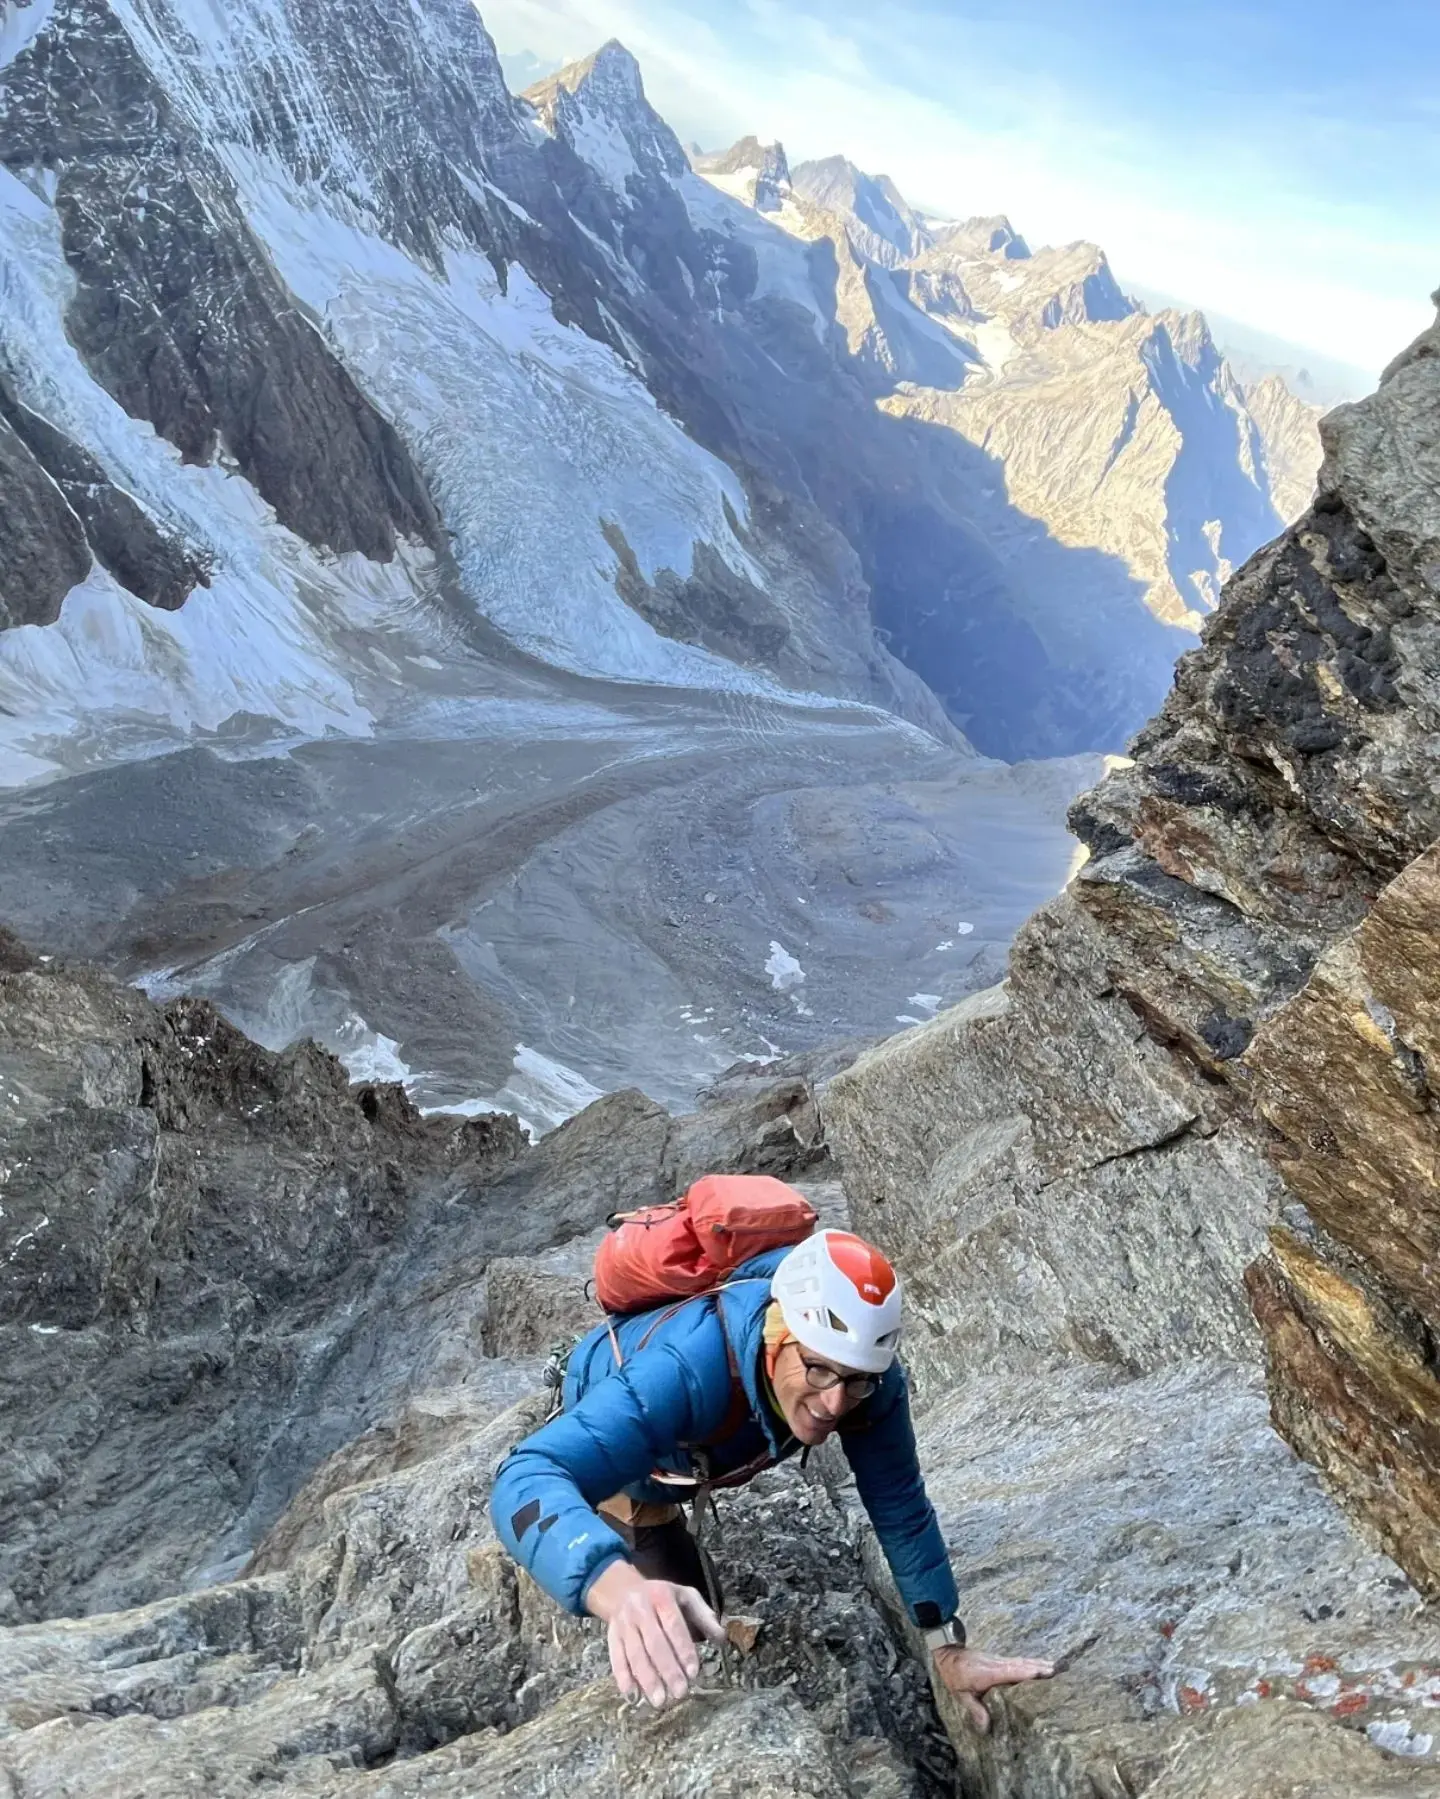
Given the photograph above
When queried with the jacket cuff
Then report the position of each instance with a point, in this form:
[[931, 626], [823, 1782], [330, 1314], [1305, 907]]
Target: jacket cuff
[[583, 1609]]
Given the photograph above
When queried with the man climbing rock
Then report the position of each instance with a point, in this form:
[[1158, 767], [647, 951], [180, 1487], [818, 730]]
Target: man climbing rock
[[796, 1345]]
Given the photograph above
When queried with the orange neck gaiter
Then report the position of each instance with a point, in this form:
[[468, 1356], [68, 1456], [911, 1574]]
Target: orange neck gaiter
[[776, 1337]]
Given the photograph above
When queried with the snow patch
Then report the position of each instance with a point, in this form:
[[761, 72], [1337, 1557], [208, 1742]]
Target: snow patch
[[600, 142], [21, 26], [541, 1092], [26, 1237], [571, 1090], [930, 1001], [784, 971], [964, 930], [738, 183], [995, 343], [368, 1055], [782, 260], [1398, 1737], [481, 188]]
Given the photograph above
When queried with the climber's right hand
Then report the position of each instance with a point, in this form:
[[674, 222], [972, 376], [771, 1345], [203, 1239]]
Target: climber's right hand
[[651, 1626]]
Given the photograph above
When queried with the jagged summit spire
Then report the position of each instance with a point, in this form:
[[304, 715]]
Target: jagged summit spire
[[611, 71], [745, 153], [606, 89], [989, 235]]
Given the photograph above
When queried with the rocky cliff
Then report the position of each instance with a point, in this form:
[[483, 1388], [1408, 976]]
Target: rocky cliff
[[262, 1337], [1190, 1143]]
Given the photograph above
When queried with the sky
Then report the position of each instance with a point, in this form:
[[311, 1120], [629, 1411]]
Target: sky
[[1276, 160]]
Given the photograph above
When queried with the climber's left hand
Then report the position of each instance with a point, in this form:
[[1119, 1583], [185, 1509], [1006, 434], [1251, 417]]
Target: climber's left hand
[[970, 1673]]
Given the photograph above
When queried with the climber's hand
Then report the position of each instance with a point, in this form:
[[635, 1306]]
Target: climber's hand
[[651, 1626], [969, 1674]]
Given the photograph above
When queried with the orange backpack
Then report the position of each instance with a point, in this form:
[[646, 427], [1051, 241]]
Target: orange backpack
[[694, 1244]]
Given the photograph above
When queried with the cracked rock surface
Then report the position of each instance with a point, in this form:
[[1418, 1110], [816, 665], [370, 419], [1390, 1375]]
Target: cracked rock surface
[[265, 1336]]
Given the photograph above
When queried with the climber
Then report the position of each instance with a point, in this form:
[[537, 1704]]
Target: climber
[[798, 1345]]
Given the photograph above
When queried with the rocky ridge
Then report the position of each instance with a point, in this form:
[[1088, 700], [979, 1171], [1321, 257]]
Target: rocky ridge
[[275, 1346]]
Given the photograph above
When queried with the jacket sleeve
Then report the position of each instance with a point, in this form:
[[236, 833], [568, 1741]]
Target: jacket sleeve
[[888, 1479], [543, 1501]]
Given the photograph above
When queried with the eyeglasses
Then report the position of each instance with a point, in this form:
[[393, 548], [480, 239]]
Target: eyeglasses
[[824, 1379]]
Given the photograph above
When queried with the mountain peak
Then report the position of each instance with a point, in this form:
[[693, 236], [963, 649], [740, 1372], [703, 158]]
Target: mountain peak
[[746, 153], [876, 212], [598, 106], [611, 71], [989, 235], [754, 172]]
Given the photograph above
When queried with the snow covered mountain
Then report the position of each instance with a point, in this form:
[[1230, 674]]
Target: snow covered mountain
[[566, 387], [440, 565], [218, 260]]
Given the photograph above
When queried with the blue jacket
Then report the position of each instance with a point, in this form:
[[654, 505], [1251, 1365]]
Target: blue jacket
[[622, 1422]]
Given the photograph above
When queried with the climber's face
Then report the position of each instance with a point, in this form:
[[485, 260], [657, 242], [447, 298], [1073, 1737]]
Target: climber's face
[[814, 1394]]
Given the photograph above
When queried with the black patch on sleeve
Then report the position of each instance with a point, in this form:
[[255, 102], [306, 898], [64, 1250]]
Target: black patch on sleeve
[[927, 1614], [545, 1523], [521, 1521]]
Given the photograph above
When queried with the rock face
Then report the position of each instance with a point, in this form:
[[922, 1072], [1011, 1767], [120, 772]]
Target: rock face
[[176, 309], [43, 552], [118, 530], [1205, 1078], [186, 1219], [1289, 430], [1349, 1310], [218, 1265]]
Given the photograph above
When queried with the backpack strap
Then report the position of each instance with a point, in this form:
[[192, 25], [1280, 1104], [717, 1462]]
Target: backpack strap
[[738, 1409], [699, 1481]]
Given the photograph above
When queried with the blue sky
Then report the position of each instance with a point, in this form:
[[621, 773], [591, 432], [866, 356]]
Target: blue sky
[[1278, 162]]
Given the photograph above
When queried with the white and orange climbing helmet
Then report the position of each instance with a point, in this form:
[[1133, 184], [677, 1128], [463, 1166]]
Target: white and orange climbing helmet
[[840, 1297]]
